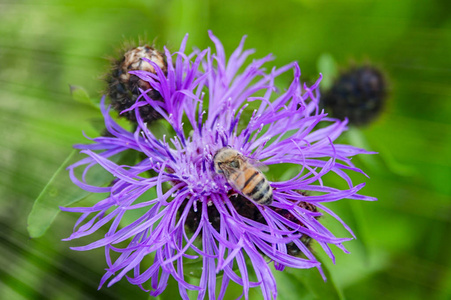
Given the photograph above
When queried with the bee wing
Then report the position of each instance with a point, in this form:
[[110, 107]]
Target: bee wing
[[258, 164], [238, 184]]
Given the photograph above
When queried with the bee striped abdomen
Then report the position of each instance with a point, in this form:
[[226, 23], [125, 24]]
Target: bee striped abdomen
[[251, 180], [258, 188]]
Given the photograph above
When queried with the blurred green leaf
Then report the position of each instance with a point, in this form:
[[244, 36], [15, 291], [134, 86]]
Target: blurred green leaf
[[308, 280], [357, 138], [327, 66], [46, 206], [395, 166], [61, 191], [193, 268], [288, 286], [79, 94], [170, 292], [359, 226], [98, 124], [132, 215]]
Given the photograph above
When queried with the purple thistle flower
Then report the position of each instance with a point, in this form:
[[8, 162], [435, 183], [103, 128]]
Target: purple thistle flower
[[213, 97]]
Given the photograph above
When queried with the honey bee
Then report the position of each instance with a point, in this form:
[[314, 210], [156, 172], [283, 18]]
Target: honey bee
[[243, 176]]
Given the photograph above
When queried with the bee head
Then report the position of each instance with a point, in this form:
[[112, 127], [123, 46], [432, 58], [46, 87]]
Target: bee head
[[225, 159]]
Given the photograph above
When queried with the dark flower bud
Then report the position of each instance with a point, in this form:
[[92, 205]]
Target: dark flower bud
[[123, 87], [358, 94]]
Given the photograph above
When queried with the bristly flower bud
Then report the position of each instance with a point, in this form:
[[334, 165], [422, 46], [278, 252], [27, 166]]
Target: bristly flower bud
[[123, 87], [358, 94]]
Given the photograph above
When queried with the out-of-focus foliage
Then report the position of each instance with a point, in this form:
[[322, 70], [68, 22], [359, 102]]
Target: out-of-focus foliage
[[403, 246]]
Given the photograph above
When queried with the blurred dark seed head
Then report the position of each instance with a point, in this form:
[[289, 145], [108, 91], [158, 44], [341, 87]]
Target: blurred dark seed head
[[358, 94], [123, 88], [247, 209]]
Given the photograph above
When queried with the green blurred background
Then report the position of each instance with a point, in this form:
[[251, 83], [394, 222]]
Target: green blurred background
[[403, 247]]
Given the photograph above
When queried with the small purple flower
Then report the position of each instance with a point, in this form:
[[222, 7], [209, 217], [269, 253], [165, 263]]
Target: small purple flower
[[196, 215]]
